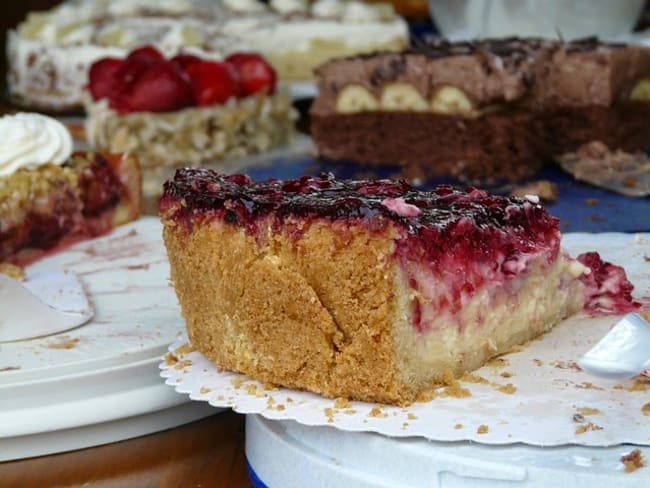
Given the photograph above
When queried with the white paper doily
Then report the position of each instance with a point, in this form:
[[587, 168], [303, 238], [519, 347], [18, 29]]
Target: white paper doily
[[537, 396]]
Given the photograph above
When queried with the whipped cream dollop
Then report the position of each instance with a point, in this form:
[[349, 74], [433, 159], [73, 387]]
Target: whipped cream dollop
[[30, 139]]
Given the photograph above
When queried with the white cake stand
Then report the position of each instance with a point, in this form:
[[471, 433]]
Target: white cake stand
[[286, 453]]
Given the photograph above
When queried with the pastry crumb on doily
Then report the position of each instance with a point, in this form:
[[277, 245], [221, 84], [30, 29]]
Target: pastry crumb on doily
[[633, 460]]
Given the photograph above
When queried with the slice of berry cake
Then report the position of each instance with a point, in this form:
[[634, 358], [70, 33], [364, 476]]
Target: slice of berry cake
[[364, 289], [50, 196]]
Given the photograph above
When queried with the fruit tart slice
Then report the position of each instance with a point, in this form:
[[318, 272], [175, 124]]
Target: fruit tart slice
[[185, 110], [50, 196], [368, 289]]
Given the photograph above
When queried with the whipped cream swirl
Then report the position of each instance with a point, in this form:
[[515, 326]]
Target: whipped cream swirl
[[29, 139]]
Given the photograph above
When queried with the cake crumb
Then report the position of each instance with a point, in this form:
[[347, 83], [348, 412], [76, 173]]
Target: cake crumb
[[237, 382], [638, 385], [506, 374], [349, 411], [411, 416], [377, 412], [426, 396], [185, 363], [645, 409], [508, 389], [204, 390], [170, 359], [589, 426], [253, 389], [453, 388], [633, 460], [329, 413], [63, 342], [341, 402], [546, 190], [589, 411], [645, 314], [13, 271], [588, 385], [183, 350], [482, 429], [538, 362], [458, 426], [280, 408], [473, 378], [566, 365], [498, 363]]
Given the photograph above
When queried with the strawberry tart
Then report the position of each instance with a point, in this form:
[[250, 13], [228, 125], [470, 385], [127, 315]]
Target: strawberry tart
[[50, 195], [49, 53], [367, 289], [186, 110]]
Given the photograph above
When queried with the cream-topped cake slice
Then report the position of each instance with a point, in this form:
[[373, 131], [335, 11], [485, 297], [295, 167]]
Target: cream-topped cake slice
[[50, 195], [366, 289]]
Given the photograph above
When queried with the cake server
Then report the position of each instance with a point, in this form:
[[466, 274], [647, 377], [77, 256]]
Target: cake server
[[45, 303], [623, 352]]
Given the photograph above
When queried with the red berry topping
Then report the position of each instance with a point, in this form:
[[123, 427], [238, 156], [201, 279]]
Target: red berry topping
[[161, 88], [212, 82], [148, 54], [184, 60], [102, 77], [255, 73], [146, 81]]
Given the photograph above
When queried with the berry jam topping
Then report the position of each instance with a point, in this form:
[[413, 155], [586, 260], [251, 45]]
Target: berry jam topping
[[607, 289], [476, 224], [146, 81]]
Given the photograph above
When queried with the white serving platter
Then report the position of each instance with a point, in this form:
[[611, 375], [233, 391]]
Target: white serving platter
[[98, 383]]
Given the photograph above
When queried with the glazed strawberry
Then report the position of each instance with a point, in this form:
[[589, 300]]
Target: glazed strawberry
[[161, 88], [184, 60], [212, 82], [255, 73], [102, 77], [146, 54]]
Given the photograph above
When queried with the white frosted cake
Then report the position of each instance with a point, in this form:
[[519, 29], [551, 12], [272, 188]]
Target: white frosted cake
[[49, 53]]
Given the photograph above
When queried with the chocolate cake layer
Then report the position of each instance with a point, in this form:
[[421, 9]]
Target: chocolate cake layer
[[481, 149]]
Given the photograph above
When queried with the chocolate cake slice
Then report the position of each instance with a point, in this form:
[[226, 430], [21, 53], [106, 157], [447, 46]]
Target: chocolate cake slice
[[363, 289], [484, 110], [589, 90]]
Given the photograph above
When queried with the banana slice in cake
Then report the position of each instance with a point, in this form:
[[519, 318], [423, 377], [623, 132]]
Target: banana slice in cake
[[402, 96], [355, 98]]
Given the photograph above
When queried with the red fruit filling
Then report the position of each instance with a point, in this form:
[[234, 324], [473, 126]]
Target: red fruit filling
[[146, 81], [607, 289], [470, 237]]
